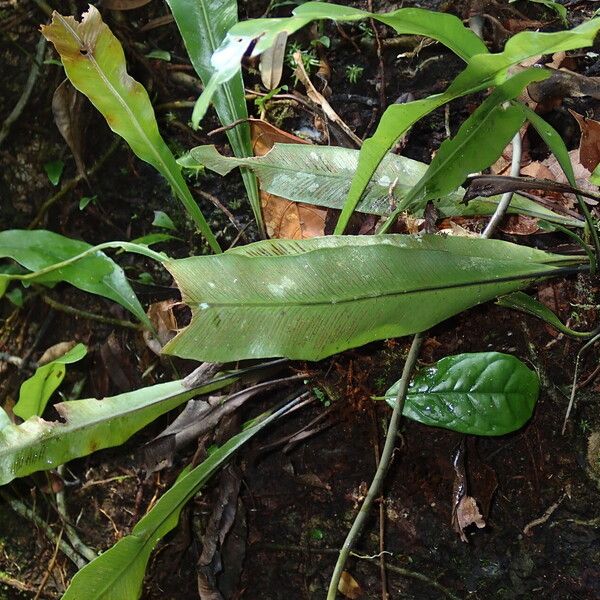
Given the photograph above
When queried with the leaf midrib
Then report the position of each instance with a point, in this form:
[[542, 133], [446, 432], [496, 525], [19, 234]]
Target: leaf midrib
[[374, 295]]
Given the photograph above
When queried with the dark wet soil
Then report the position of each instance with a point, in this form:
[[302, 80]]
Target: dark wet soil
[[297, 505]]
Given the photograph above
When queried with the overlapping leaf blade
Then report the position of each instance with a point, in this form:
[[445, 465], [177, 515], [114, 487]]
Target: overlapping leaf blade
[[321, 175], [263, 33], [96, 273], [37, 390], [95, 64], [482, 71], [482, 393], [471, 149], [312, 298], [118, 573]]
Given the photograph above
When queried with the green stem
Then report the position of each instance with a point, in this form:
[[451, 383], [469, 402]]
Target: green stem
[[386, 456], [84, 314], [127, 246]]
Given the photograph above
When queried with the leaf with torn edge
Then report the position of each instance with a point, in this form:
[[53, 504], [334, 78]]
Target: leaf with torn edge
[[308, 299], [89, 425], [95, 64]]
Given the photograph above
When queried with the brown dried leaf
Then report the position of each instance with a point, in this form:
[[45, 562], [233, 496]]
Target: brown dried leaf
[[349, 586], [162, 317], [564, 83], [271, 62], [519, 225], [467, 513], [582, 174], [55, 352], [284, 219], [589, 145], [67, 108]]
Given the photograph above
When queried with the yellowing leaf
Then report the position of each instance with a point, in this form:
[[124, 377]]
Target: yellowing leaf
[[95, 64]]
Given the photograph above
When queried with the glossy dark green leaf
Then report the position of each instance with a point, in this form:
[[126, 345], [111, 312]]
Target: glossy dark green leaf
[[484, 393], [308, 299]]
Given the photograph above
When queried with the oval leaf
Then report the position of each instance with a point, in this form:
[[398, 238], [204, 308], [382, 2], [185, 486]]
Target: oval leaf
[[484, 393]]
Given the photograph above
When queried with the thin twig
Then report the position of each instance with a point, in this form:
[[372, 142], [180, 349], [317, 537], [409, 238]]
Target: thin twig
[[212, 198], [581, 352], [50, 567], [384, 463], [22, 101], [61, 507], [382, 550], [6, 579], [84, 314], [373, 560], [27, 513], [504, 203]]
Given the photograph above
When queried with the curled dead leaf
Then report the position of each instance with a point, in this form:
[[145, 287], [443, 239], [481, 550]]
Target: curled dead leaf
[[589, 145], [67, 109], [467, 514], [56, 351], [165, 324], [349, 587]]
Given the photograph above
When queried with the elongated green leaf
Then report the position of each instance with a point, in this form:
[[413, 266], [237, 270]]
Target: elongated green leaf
[[321, 175], [557, 146], [485, 393], [95, 64], [36, 391], [473, 148], [118, 573], [89, 425], [312, 298], [96, 273], [203, 25], [483, 70], [263, 33], [523, 302]]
